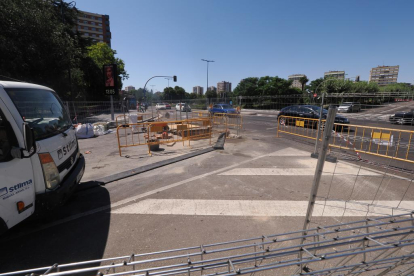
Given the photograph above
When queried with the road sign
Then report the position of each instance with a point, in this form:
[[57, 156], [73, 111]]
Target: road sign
[[111, 79]]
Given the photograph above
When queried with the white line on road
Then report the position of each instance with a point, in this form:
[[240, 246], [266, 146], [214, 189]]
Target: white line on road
[[267, 208], [133, 198]]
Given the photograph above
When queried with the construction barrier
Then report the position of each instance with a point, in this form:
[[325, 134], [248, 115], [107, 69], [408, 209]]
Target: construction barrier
[[224, 123], [152, 134], [389, 143], [134, 118]]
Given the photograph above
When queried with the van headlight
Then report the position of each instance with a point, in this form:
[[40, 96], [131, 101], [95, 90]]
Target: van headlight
[[50, 171]]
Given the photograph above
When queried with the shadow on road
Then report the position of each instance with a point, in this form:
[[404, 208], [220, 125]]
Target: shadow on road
[[68, 235]]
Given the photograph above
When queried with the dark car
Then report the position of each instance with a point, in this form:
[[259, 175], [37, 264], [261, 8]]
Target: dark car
[[223, 108], [307, 112], [402, 118]]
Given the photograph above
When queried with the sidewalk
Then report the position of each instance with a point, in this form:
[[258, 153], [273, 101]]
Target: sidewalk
[[102, 155]]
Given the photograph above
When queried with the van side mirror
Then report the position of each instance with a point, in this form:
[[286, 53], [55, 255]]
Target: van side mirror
[[28, 136]]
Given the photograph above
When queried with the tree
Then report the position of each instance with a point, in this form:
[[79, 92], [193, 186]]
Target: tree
[[211, 94], [314, 84], [102, 54], [303, 80], [37, 43]]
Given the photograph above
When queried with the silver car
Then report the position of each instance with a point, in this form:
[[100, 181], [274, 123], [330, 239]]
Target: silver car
[[349, 107]]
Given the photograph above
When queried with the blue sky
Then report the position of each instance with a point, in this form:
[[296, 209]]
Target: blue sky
[[256, 38]]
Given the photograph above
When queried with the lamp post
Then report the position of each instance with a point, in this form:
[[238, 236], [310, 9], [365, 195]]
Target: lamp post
[[208, 61]]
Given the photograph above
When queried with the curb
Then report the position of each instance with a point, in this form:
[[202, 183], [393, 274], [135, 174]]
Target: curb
[[118, 176]]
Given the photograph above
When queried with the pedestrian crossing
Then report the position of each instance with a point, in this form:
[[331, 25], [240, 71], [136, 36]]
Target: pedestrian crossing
[[347, 190]]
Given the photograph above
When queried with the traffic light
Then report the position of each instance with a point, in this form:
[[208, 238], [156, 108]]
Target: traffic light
[[175, 78]]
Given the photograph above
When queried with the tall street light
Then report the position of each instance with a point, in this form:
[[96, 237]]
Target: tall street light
[[208, 61]]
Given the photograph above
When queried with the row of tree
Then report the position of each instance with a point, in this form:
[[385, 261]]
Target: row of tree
[[39, 44]]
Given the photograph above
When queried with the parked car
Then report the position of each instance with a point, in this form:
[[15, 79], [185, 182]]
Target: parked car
[[349, 107], [402, 118], [167, 106], [184, 107], [160, 106], [223, 108], [308, 112]]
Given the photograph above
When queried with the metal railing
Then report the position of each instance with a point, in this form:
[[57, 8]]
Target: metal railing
[[225, 122], [372, 246], [397, 144]]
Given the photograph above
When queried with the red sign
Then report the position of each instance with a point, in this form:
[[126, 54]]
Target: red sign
[[315, 95]]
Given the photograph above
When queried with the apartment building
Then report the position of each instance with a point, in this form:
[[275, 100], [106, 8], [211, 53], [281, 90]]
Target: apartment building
[[94, 26], [198, 90], [212, 88], [340, 75], [223, 87], [384, 75], [129, 88], [295, 78]]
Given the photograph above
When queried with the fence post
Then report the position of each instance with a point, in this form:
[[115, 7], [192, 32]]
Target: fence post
[[319, 167], [112, 108]]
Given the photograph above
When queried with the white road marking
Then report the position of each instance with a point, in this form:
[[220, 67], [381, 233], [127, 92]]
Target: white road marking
[[133, 198], [254, 208]]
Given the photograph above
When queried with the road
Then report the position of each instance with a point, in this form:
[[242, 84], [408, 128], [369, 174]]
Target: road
[[258, 185]]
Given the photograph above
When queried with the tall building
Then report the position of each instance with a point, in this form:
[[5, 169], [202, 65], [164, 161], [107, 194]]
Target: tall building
[[295, 78], [198, 90], [340, 75], [94, 26], [384, 75], [223, 87], [129, 88], [212, 88]]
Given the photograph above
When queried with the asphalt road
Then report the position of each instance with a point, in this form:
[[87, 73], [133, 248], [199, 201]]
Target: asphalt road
[[258, 185]]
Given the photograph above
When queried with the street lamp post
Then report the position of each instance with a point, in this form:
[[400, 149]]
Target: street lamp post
[[208, 61]]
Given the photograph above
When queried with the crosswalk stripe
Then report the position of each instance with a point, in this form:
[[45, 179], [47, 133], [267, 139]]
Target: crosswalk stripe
[[268, 208]]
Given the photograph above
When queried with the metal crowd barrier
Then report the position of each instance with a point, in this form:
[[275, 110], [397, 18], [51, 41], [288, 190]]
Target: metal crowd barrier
[[224, 122], [153, 134], [125, 118], [382, 245], [389, 143]]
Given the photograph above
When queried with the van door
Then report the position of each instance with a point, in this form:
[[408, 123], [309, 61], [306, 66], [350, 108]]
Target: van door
[[17, 189]]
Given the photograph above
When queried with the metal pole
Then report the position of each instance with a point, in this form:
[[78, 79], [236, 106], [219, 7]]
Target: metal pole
[[319, 167], [319, 126], [207, 76], [112, 108]]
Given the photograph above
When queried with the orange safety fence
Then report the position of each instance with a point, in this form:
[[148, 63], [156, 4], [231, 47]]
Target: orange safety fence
[[153, 134], [397, 144]]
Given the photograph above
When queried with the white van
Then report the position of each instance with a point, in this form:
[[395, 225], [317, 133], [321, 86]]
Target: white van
[[40, 162]]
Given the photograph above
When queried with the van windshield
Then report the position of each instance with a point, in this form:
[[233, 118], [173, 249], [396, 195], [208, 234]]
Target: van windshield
[[42, 109]]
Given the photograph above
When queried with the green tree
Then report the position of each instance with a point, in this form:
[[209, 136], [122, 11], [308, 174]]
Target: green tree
[[211, 94], [37, 43], [102, 54], [303, 80], [314, 85]]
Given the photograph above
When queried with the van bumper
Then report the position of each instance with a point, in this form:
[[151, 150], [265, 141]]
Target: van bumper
[[52, 199]]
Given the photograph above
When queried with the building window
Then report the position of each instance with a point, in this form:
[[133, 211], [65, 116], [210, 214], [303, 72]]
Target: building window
[[100, 24], [93, 29], [87, 34], [93, 23], [84, 21], [101, 36]]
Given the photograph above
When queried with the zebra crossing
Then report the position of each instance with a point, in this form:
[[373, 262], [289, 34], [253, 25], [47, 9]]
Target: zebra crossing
[[353, 191]]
